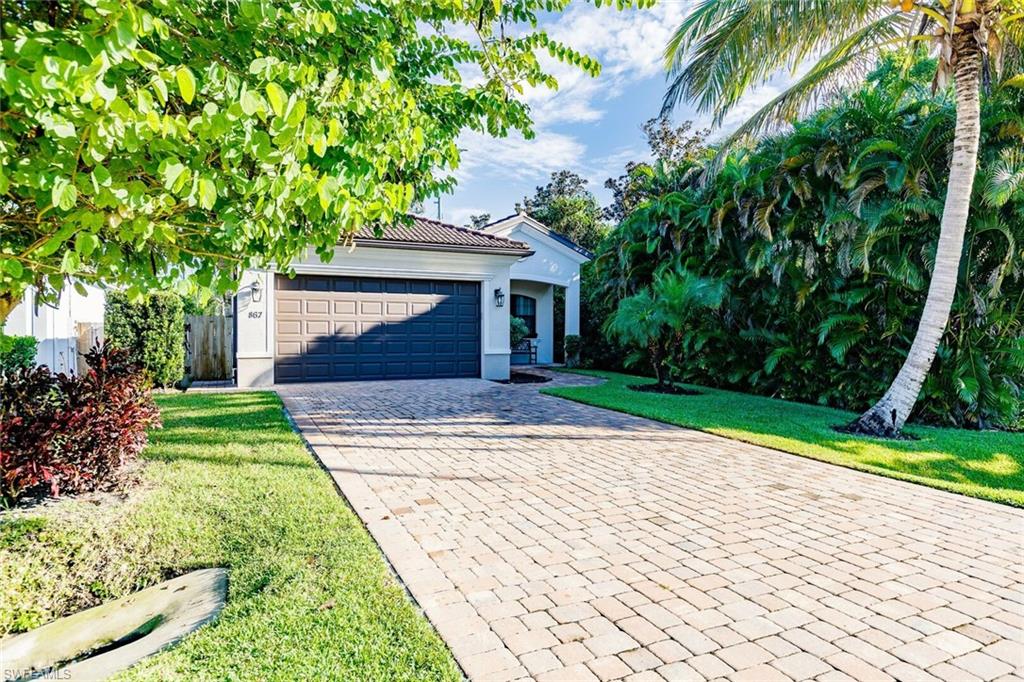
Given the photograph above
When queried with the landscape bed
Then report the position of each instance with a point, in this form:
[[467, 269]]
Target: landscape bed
[[227, 482], [984, 464]]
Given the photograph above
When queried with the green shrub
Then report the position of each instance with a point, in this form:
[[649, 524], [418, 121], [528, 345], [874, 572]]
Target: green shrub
[[152, 331], [17, 352], [573, 344], [517, 330]]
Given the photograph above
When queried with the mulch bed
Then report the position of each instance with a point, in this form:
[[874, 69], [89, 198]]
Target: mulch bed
[[525, 378], [668, 389], [849, 430]]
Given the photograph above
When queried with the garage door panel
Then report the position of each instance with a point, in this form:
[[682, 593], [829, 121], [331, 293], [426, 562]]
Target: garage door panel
[[289, 327], [350, 328], [317, 328], [316, 307], [397, 309], [371, 286], [289, 306], [345, 328], [344, 307]]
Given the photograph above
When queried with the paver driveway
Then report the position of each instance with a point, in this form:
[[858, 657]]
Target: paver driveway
[[549, 539]]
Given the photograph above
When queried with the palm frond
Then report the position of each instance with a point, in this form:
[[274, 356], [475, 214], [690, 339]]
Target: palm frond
[[849, 60], [730, 53]]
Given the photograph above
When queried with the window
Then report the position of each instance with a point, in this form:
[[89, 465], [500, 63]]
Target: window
[[526, 308]]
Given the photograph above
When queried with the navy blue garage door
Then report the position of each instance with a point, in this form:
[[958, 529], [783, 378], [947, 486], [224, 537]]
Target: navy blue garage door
[[361, 328]]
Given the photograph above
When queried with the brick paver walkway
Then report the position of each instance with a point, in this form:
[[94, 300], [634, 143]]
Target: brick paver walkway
[[552, 540]]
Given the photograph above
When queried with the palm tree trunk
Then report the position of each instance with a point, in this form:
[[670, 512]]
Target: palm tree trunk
[[887, 416]]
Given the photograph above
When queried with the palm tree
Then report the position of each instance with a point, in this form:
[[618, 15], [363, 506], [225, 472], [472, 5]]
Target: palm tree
[[725, 47]]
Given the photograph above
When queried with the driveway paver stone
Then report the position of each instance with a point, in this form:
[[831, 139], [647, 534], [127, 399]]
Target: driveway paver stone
[[548, 539]]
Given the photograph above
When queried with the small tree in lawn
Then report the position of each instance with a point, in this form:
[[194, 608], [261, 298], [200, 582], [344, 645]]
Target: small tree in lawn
[[653, 321], [144, 144]]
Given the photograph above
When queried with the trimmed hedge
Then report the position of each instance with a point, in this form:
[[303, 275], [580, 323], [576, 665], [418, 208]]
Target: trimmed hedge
[[17, 352], [152, 331]]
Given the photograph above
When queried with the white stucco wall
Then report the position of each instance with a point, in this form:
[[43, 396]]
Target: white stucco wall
[[55, 327], [552, 263], [255, 336]]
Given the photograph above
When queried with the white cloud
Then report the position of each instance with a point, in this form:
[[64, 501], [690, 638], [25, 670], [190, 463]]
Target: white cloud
[[518, 157], [461, 215]]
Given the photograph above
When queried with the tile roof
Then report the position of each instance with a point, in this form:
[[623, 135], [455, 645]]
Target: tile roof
[[427, 232], [560, 238]]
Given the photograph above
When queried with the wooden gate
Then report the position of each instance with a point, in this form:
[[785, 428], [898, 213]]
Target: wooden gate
[[209, 346]]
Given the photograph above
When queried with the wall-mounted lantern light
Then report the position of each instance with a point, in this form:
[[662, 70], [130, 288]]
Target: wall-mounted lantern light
[[256, 290], [499, 298]]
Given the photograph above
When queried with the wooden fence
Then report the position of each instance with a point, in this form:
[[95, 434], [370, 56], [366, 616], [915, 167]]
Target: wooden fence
[[209, 344]]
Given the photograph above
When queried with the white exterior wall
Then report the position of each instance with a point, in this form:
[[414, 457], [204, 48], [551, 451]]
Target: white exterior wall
[[255, 337], [54, 327], [552, 263]]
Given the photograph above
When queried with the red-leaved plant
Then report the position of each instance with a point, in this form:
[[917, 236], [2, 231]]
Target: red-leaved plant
[[64, 433]]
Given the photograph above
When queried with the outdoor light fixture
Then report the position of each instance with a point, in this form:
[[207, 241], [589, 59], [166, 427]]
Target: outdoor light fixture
[[256, 290], [499, 298]]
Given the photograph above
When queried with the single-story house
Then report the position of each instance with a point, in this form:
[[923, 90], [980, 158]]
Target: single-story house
[[420, 300], [57, 327]]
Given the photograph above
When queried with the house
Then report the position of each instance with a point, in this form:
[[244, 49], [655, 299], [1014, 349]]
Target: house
[[56, 327], [420, 300]]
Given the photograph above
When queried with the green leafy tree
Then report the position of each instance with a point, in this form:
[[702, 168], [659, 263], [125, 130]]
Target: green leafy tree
[[518, 330], [569, 208], [147, 143], [477, 222], [720, 51]]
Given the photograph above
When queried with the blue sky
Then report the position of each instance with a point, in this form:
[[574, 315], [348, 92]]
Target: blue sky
[[589, 125]]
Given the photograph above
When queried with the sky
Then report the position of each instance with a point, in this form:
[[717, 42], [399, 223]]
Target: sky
[[589, 125]]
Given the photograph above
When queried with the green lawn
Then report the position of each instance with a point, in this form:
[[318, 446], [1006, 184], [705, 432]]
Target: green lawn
[[228, 483], [985, 464]]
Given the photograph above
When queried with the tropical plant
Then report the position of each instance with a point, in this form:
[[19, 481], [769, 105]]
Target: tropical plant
[[654, 321], [719, 52], [573, 345], [144, 144], [824, 236], [72, 433]]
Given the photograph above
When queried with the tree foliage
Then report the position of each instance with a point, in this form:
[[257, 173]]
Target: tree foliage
[[478, 221], [569, 208], [825, 237], [145, 143], [670, 146]]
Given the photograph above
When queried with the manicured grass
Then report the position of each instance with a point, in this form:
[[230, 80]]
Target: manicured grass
[[985, 464], [228, 483]]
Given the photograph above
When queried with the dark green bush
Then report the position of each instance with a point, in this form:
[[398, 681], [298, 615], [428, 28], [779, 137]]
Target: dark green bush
[[573, 344], [152, 331], [518, 330], [17, 352]]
